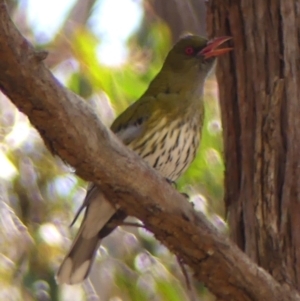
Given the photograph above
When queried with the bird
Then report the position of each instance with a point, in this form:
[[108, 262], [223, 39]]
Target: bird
[[163, 127]]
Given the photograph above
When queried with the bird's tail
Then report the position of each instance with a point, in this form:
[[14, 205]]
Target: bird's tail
[[78, 261]]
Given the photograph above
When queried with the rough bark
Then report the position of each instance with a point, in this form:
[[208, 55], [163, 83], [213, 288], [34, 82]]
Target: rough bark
[[259, 96], [72, 131]]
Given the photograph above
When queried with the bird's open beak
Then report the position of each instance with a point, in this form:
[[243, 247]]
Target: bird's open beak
[[211, 49]]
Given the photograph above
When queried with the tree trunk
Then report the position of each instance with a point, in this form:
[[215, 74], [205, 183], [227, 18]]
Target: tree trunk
[[259, 95]]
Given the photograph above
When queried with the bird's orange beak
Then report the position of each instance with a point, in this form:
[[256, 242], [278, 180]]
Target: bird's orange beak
[[211, 49]]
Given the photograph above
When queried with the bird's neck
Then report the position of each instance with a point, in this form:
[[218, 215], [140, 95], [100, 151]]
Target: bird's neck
[[184, 85], [174, 96]]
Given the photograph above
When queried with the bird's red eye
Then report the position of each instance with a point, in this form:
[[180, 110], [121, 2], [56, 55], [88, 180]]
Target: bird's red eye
[[189, 50]]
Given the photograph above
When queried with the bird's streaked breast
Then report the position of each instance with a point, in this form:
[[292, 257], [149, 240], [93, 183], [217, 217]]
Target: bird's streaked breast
[[169, 148]]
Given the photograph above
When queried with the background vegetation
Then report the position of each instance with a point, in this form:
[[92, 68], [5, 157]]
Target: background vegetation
[[110, 68]]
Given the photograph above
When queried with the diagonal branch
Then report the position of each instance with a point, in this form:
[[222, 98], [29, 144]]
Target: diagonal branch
[[73, 132]]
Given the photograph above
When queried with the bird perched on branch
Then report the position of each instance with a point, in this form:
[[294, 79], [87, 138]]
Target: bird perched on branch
[[163, 127]]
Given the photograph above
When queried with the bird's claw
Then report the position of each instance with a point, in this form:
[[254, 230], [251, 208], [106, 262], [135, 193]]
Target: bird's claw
[[185, 195], [171, 182]]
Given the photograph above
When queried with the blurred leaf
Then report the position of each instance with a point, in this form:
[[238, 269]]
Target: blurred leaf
[[43, 194]]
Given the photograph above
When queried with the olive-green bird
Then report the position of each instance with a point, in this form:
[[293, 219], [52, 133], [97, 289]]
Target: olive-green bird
[[163, 127]]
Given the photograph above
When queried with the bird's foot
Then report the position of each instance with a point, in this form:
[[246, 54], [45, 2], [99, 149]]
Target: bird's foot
[[185, 195], [171, 182]]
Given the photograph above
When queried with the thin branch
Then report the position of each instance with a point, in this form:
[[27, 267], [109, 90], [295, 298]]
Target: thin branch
[[72, 131]]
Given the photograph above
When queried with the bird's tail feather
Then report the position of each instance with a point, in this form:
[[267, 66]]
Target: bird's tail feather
[[78, 261]]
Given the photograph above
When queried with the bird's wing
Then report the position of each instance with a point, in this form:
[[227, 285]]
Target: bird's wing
[[131, 123], [127, 128]]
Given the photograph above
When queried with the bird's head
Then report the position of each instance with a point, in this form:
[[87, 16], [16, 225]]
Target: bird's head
[[187, 65], [195, 55]]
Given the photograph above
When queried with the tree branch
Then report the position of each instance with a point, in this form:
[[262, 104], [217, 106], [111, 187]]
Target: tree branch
[[72, 131]]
